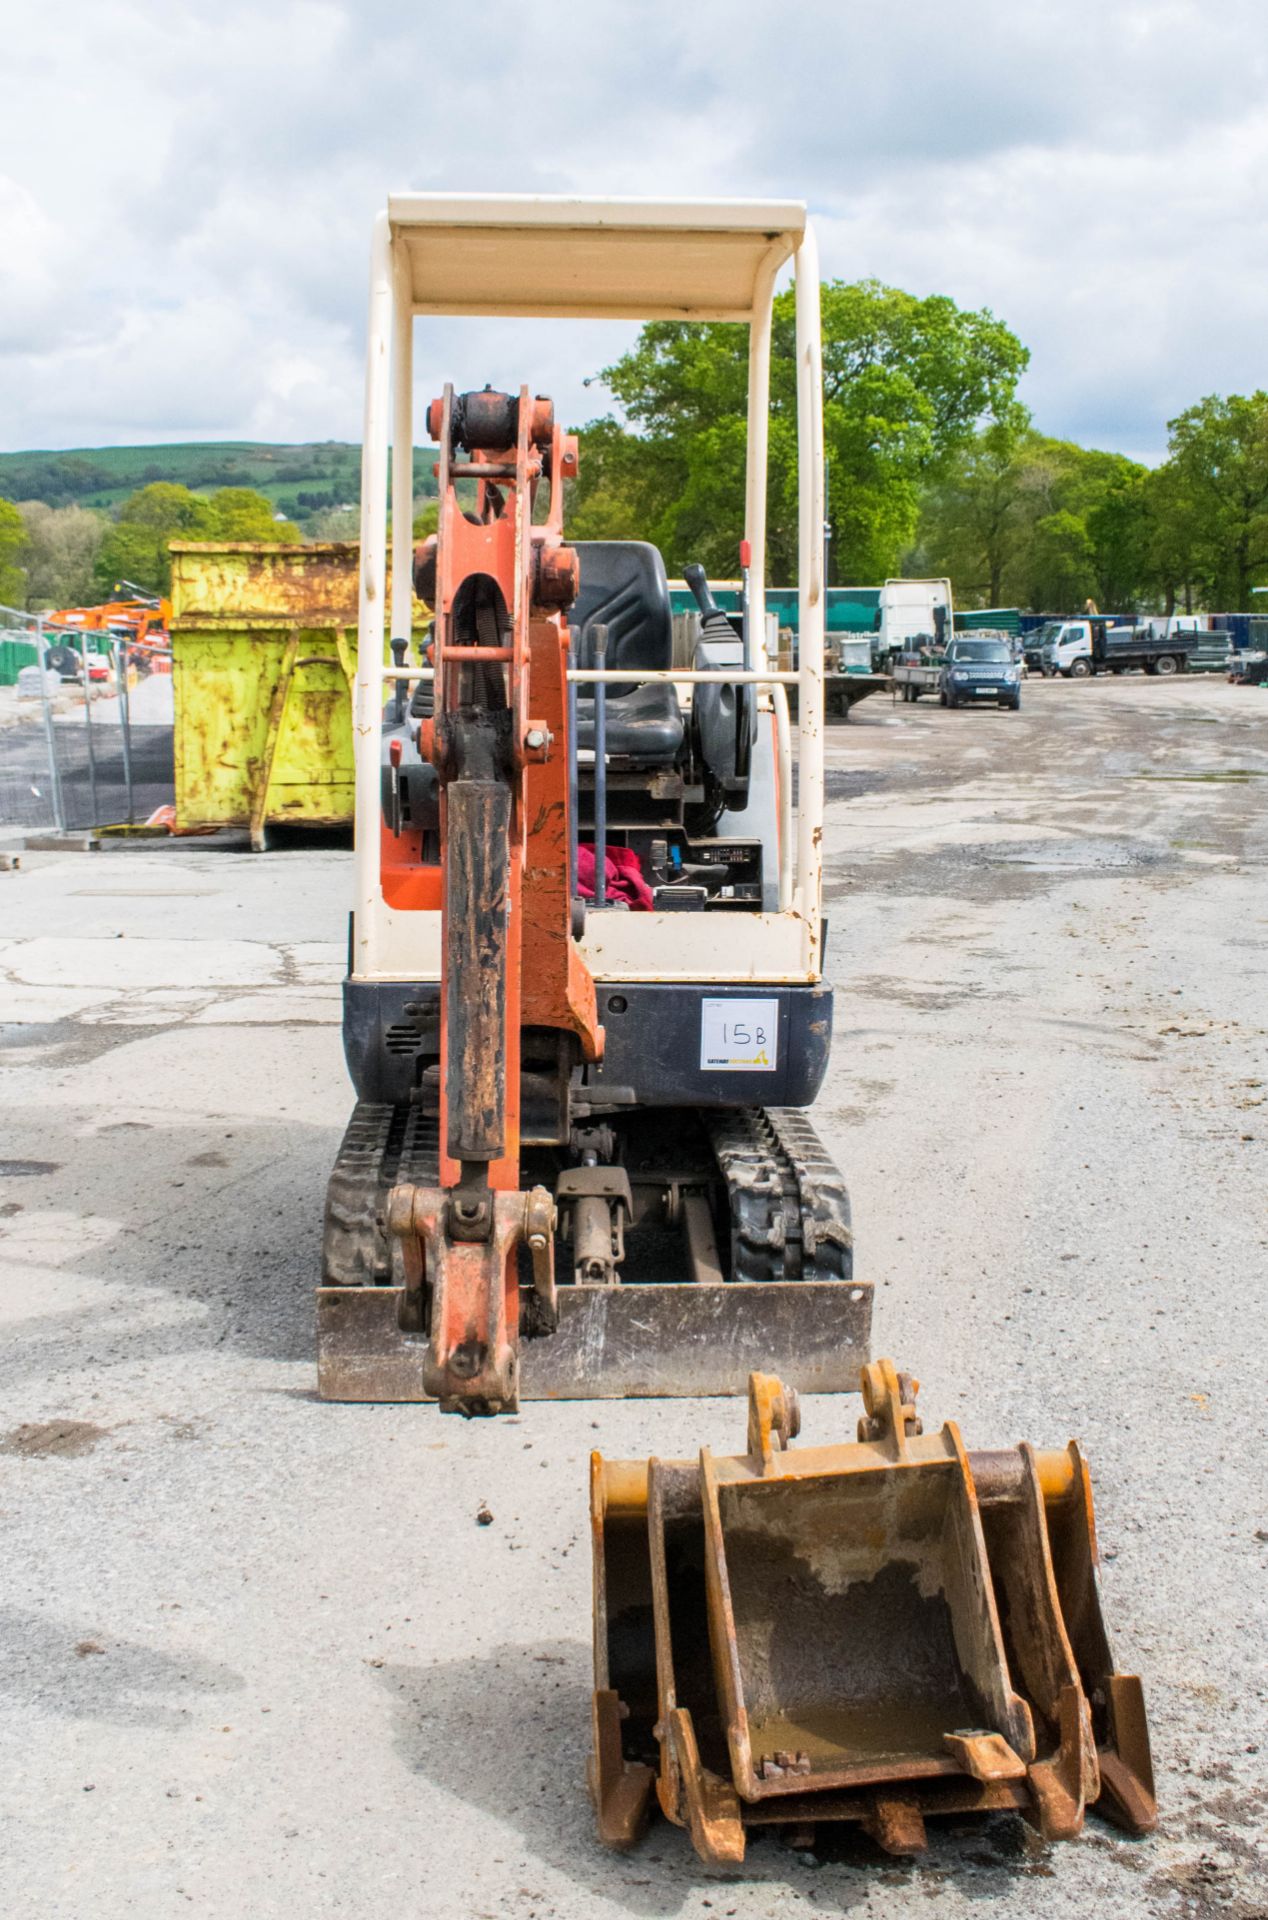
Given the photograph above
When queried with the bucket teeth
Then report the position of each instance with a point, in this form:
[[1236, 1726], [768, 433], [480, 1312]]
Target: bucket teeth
[[876, 1631]]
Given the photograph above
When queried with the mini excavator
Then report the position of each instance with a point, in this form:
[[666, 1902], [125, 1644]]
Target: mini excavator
[[586, 1008], [584, 1014]]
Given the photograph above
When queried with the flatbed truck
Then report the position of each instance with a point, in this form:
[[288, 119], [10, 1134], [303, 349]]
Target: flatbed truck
[[1097, 644]]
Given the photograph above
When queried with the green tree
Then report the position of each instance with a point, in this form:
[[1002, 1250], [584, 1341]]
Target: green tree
[[1119, 530], [958, 367], [1060, 562], [972, 516], [240, 513], [1081, 536], [137, 546], [1179, 554], [1024, 519], [12, 544], [62, 544], [168, 508], [625, 484], [905, 383], [1217, 491], [135, 553]]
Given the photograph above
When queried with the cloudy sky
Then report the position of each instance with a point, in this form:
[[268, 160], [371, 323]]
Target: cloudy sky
[[186, 188]]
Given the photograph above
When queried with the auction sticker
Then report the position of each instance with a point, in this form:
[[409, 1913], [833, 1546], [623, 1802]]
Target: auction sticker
[[739, 1036]]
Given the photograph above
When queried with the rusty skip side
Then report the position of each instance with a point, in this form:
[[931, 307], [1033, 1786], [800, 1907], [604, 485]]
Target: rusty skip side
[[264, 646], [250, 580], [874, 1632]]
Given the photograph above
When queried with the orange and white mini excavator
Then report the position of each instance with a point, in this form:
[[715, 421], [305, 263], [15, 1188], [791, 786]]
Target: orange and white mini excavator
[[585, 1007]]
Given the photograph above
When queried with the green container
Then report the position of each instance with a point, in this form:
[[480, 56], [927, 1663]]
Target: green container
[[14, 655], [989, 620], [846, 609]]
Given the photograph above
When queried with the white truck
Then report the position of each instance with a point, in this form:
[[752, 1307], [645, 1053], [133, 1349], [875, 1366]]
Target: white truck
[[916, 616], [1096, 644]]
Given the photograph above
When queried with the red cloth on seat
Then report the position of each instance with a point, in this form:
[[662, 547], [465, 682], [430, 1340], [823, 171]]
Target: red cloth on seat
[[623, 876]]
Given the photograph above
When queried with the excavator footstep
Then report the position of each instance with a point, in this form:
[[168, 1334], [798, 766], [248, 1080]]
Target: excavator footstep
[[612, 1343]]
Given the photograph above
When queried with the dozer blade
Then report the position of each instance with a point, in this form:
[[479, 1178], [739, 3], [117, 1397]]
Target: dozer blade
[[613, 1343], [876, 1632]]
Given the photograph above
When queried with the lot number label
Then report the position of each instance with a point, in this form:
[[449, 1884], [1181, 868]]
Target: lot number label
[[739, 1036]]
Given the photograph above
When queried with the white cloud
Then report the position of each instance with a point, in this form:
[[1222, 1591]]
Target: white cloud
[[29, 248], [186, 188]]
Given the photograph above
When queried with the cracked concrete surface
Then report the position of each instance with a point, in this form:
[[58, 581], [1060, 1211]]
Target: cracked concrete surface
[[258, 1656]]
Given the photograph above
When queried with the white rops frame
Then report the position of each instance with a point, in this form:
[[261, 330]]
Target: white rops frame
[[554, 256]]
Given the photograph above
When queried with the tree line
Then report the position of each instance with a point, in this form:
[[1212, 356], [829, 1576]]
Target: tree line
[[1019, 519], [934, 466], [82, 477], [72, 556]]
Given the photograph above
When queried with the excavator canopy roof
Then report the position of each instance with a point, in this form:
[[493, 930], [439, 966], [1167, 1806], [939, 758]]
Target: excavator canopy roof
[[557, 256]]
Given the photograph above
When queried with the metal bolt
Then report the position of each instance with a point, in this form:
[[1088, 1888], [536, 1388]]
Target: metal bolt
[[535, 738]]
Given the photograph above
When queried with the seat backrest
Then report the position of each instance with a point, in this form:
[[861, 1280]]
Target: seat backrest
[[623, 586]]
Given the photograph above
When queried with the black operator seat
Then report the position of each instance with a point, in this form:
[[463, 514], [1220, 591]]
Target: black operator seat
[[623, 587]]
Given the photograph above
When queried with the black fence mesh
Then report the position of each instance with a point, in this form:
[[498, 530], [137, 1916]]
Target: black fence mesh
[[26, 789], [109, 778], [109, 774]]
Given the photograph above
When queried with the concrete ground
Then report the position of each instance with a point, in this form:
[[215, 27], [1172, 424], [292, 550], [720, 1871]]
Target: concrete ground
[[258, 1657]]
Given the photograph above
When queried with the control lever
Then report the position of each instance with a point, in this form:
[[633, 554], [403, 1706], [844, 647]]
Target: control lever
[[715, 626], [399, 650], [394, 789], [744, 696], [711, 615]]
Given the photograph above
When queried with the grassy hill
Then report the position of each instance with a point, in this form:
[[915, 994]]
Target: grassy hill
[[301, 480]]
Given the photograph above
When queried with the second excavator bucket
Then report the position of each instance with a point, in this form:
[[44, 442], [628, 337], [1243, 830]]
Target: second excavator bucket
[[872, 1632], [852, 1613]]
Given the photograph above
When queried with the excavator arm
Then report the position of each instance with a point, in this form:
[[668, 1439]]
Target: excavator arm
[[500, 586]]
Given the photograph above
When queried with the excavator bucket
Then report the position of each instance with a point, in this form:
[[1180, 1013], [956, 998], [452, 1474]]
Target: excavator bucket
[[872, 1632]]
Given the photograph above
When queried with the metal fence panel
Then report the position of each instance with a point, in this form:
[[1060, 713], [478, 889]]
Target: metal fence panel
[[26, 788], [93, 755], [113, 775]]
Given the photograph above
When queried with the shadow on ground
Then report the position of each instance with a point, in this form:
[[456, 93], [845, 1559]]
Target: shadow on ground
[[507, 1732], [222, 1221], [76, 1673]]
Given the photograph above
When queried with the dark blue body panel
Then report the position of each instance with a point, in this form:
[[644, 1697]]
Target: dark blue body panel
[[652, 1056]]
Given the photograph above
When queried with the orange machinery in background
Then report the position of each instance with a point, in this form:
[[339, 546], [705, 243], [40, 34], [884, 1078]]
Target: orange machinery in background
[[144, 622]]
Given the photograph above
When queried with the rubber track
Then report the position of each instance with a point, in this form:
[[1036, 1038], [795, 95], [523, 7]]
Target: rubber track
[[790, 1212], [381, 1146]]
